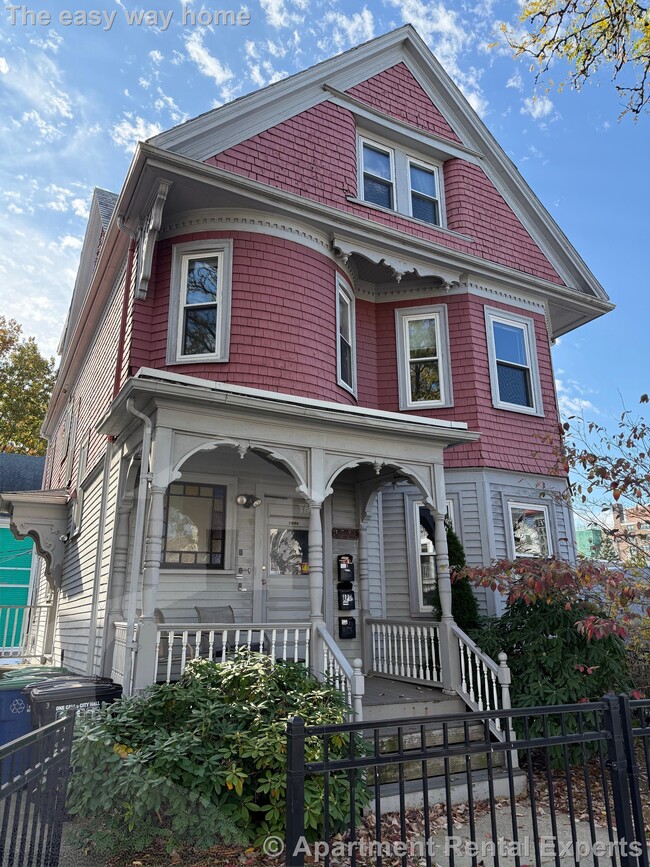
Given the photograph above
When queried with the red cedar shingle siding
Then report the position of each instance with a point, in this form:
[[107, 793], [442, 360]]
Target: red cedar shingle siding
[[314, 155]]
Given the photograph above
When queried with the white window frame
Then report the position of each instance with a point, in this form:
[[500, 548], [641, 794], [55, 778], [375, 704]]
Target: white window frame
[[411, 161], [344, 291], [537, 507], [182, 253], [403, 315], [401, 161], [527, 325], [417, 606], [393, 185]]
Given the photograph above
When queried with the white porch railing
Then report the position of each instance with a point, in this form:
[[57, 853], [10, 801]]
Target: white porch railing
[[19, 628], [406, 649], [120, 649], [484, 684], [178, 643], [347, 678]]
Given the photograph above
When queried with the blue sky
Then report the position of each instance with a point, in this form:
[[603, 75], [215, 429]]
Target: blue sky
[[74, 99]]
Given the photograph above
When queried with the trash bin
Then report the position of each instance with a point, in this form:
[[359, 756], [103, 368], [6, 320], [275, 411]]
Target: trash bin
[[15, 721], [34, 672], [51, 699]]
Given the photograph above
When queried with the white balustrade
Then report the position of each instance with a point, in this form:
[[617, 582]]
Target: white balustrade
[[20, 626], [406, 649], [484, 684], [337, 671], [179, 643]]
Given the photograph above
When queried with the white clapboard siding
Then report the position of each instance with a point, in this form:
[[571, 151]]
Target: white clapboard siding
[[344, 515], [466, 493], [105, 552], [396, 558], [75, 599]]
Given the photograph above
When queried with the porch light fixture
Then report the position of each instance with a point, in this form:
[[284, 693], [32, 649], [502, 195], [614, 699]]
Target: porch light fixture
[[248, 501]]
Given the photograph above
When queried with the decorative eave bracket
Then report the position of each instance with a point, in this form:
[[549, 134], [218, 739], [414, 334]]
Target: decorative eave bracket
[[43, 516], [345, 249], [148, 238]]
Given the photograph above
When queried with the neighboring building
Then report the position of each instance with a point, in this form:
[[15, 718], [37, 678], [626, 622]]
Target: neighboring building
[[316, 320], [17, 473], [631, 535], [589, 541]]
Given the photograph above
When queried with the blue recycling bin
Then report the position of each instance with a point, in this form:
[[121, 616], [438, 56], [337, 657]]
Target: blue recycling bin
[[15, 721]]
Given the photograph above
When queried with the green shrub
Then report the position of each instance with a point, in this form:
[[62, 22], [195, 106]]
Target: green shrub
[[205, 759], [464, 606]]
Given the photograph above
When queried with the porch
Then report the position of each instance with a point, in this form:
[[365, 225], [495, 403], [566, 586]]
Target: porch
[[404, 677]]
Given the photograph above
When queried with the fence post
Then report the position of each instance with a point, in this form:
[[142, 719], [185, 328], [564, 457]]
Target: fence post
[[295, 828], [617, 764], [633, 777]]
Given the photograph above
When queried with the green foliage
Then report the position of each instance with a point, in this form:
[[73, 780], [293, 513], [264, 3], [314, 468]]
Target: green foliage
[[464, 606], [552, 663], [205, 759], [27, 379]]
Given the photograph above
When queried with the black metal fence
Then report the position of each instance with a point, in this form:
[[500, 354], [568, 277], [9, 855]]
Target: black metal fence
[[562, 785], [33, 782]]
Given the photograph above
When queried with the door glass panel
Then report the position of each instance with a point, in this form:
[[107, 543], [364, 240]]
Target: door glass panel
[[288, 551]]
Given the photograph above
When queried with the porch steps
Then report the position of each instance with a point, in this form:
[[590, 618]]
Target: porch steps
[[389, 699]]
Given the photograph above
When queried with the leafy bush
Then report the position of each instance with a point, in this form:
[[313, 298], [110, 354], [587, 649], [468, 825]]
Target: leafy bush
[[563, 646], [204, 760]]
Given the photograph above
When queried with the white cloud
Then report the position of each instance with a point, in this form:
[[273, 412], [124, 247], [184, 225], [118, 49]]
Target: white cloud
[[4, 66], [570, 400], [256, 76], [35, 83], [80, 208], [350, 30], [537, 107], [278, 15], [208, 64], [70, 242], [130, 130], [46, 130], [515, 81], [156, 56]]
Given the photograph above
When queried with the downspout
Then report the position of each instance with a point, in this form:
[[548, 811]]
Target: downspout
[[97, 575], [138, 541], [125, 304]]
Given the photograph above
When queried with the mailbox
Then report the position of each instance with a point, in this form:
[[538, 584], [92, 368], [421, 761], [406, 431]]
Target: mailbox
[[347, 627], [346, 596], [345, 567]]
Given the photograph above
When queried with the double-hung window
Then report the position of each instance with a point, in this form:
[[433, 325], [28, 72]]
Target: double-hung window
[[513, 362], [423, 357], [345, 327], [529, 526], [378, 174], [199, 321], [425, 561], [392, 179]]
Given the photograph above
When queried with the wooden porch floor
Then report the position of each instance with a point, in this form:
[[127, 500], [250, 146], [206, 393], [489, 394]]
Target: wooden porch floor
[[386, 698]]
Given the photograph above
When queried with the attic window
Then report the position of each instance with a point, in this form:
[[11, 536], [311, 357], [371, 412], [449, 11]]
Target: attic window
[[397, 181], [199, 314]]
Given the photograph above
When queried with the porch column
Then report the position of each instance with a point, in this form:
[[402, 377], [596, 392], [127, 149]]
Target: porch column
[[364, 593], [145, 668], [449, 650], [315, 562]]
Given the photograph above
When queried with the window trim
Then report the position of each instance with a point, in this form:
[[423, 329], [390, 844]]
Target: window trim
[[402, 316], [363, 140], [527, 325], [401, 160], [345, 290], [538, 507], [181, 255]]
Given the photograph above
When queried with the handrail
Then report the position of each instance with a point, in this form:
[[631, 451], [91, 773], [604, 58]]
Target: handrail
[[484, 684], [338, 671]]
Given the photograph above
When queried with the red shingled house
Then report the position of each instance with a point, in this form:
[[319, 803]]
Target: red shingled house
[[315, 321]]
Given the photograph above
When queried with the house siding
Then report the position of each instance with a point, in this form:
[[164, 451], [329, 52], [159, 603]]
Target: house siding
[[320, 146]]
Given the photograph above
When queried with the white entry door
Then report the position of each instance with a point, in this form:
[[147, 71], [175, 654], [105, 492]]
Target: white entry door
[[285, 561]]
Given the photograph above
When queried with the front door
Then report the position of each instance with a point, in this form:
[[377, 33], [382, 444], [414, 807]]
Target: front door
[[285, 562]]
